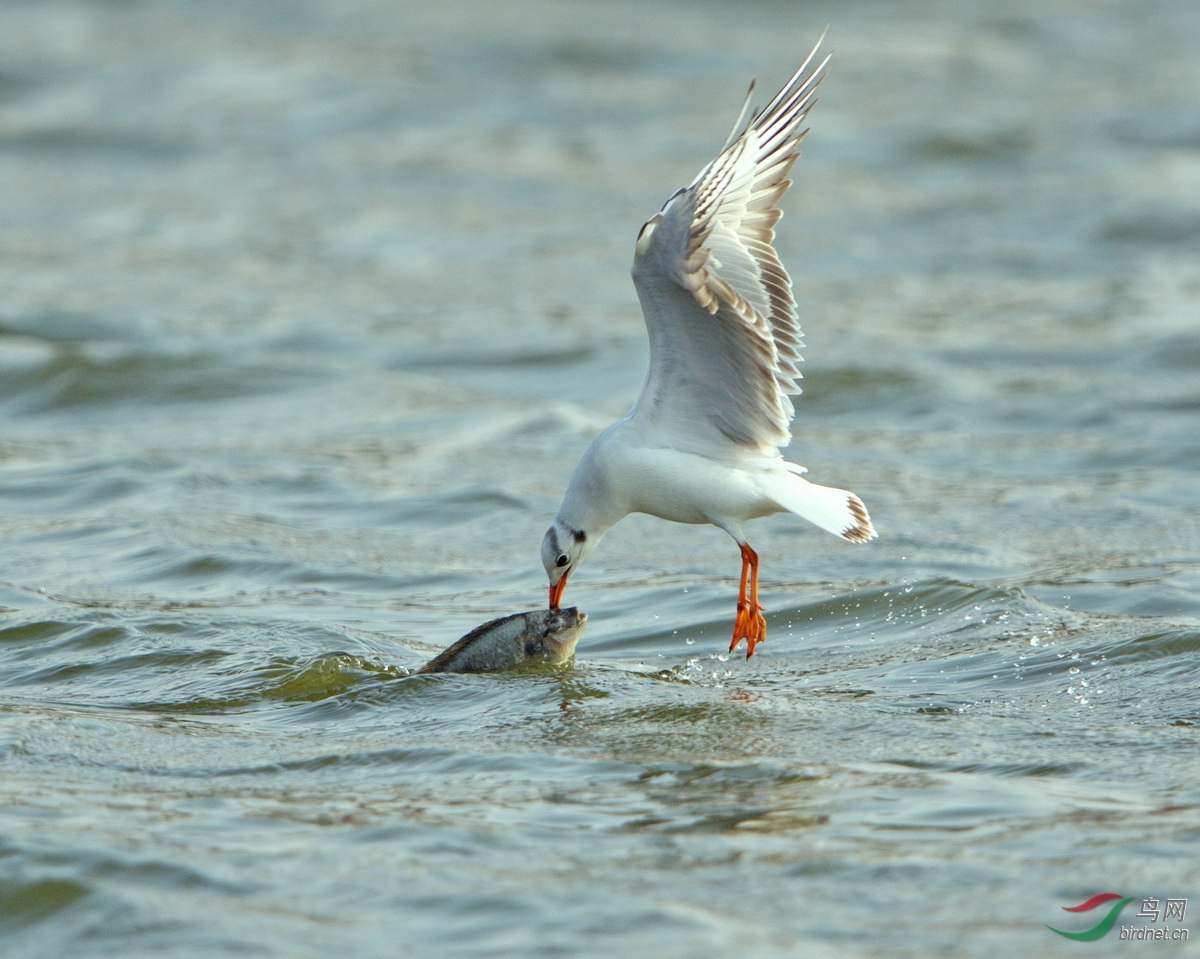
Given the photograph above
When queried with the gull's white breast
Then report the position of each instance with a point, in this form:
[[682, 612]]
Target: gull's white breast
[[681, 486]]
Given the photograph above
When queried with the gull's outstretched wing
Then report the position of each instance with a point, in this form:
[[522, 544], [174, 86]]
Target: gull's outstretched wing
[[724, 340]]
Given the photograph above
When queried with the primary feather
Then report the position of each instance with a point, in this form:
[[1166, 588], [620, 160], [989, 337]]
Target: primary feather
[[724, 337]]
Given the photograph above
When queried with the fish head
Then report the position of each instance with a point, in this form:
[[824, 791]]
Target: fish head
[[553, 634]]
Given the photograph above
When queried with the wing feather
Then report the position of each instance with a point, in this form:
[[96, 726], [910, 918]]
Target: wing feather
[[724, 338]]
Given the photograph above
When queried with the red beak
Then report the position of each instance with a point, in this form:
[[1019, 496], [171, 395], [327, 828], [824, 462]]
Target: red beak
[[556, 591]]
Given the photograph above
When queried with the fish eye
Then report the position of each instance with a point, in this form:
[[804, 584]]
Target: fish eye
[[562, 560], [532, 646]]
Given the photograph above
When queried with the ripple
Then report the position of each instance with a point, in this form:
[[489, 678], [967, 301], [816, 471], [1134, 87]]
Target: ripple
[[73, 142], [64, 488], [90, 377], [1172, 651], [1164, 227], [30, 901], [1001, 144]]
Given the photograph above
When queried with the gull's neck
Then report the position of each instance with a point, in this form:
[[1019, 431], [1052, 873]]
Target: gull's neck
[[587, 515], [593, 502]]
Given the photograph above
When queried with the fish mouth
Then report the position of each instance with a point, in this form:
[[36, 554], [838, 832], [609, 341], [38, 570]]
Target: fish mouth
[[563, 635], [567, 618]]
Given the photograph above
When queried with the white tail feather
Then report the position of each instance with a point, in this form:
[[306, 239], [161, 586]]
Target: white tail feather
[[837, 510]]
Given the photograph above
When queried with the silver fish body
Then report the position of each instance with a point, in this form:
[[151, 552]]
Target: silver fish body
[[537, 636]]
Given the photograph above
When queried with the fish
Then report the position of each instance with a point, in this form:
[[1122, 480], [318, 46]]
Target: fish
[[537, 636]]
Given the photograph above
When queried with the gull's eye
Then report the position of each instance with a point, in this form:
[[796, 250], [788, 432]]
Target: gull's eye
[[562, 560]]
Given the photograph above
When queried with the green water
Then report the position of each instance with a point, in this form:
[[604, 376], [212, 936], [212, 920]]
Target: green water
[[307, 311]]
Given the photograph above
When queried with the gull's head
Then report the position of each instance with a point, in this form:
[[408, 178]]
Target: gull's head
[[563, 548]]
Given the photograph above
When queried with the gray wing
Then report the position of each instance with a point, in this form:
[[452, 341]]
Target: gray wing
[[724, 339]]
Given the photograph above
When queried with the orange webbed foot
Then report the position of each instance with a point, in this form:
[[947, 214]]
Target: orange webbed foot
[[749, 625]]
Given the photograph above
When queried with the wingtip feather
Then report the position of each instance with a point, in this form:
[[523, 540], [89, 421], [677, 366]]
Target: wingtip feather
[[861, 530]]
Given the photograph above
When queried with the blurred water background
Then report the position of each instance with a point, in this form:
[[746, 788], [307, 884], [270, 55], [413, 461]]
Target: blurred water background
[[307, 310]]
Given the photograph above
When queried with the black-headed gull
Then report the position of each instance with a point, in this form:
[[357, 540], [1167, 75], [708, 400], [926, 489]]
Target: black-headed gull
[[701, 444]]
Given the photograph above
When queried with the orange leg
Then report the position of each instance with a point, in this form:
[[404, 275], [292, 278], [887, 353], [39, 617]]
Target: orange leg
[[749, 624]]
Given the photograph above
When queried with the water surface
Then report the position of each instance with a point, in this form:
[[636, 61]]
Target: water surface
[[308, 311]]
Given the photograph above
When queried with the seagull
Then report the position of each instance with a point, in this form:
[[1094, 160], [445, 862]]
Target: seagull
[[702, 442]]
